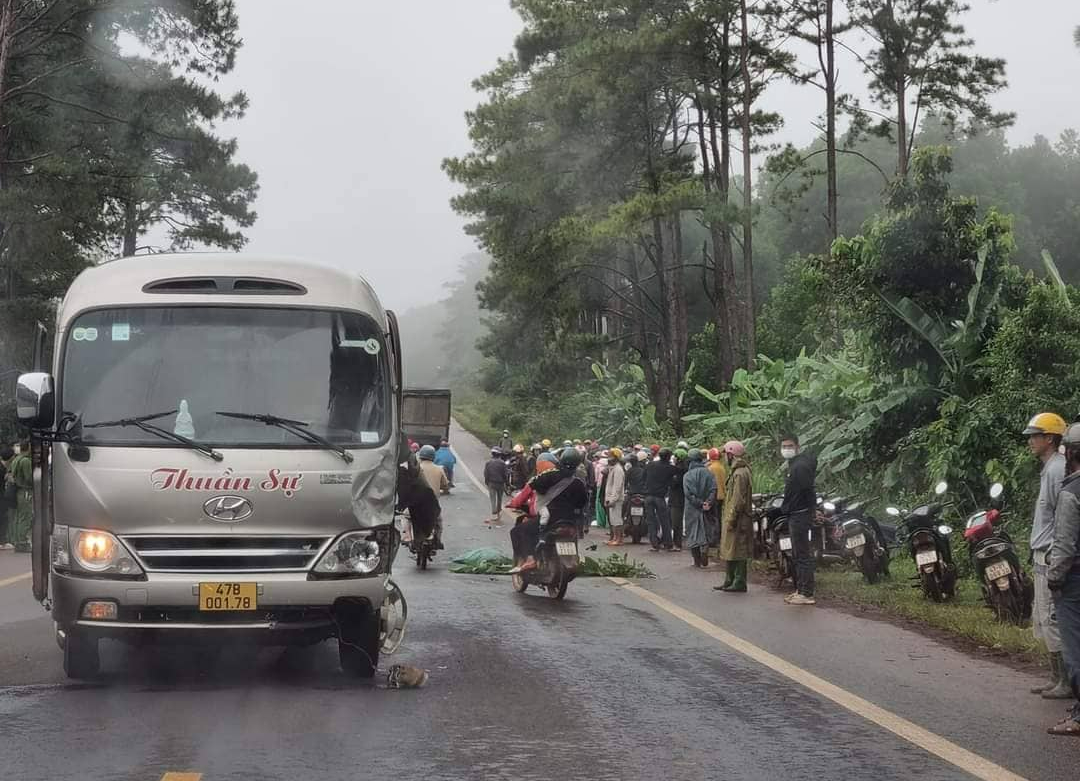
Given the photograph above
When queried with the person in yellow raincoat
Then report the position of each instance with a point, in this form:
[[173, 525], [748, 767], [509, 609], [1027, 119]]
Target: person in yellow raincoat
[[737, 535]]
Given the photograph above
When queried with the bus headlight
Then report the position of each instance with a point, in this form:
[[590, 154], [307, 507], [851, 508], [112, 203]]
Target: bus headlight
[[91, 550], [351, 554]]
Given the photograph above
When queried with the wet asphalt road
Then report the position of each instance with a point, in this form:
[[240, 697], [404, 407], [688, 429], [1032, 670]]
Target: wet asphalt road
[[603, 685]]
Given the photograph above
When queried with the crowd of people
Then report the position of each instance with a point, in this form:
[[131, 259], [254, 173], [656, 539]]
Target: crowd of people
[[16, 497], [692, 498]]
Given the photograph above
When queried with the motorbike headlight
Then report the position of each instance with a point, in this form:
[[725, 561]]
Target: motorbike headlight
[[351, 554], [945, 530], [91, 550]]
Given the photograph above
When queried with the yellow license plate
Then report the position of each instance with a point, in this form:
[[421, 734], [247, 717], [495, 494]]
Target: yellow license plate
[[228, 596]]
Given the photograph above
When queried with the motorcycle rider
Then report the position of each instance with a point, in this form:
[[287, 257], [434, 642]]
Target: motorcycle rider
[[440, 484], [445, 458], [530, 461], [800, 502], [1063, 575], [506, 443], [563, 497], [1044, 433], [415, 494]]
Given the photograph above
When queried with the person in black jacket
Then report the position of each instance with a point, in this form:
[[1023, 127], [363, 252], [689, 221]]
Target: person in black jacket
[[495, 477], [659, 477], [800, 502]]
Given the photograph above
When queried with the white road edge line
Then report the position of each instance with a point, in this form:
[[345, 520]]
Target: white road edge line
[[468, 472], [934, 744], [16, 579]]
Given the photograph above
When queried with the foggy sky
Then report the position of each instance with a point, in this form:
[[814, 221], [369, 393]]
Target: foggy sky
[[355, 104]]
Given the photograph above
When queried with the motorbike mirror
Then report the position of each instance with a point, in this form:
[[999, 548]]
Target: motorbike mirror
[[892, 511], [996, 490], [829, 506], [941, 488], [946, 530]]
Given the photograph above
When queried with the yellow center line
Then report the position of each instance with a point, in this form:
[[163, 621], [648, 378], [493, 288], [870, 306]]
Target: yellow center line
[[171, 776], [16, 579], [928, 741]]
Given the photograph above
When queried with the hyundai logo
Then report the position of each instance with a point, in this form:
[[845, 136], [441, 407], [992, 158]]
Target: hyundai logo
[[228, 509]]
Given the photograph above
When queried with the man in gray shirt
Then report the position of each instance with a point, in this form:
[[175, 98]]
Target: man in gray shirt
[[1044, 432]]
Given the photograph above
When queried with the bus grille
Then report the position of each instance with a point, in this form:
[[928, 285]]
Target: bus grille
[[225, 553]]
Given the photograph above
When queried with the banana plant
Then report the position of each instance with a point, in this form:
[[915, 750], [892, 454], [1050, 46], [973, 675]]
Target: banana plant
[[958, 343]]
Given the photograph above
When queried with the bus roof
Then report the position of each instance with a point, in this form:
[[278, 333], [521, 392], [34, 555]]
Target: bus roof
[[210, 278]]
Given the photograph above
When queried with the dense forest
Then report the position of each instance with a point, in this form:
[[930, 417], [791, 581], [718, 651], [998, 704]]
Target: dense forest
[[899, 291], [108, 117]]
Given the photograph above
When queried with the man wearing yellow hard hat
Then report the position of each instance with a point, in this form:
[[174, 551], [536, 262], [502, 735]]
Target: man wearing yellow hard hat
[[1044, 433]]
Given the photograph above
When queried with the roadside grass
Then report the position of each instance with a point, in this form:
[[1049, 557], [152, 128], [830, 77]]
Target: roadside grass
[[473, 413], [966, 617]]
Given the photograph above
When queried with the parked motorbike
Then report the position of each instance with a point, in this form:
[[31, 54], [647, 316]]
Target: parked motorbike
[[928, 543], [780, 549], [634, 522], [1007, 589], [557, 560], [863, 541], [827, 533], [760, 504]]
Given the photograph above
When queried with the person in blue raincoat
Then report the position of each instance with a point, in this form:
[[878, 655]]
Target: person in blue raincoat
[[446, 459], [699, 489]]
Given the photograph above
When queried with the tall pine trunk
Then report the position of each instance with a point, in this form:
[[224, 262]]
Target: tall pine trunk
[[131, 227], [749, 345], [830, 122], [7, 32], [707, 141]]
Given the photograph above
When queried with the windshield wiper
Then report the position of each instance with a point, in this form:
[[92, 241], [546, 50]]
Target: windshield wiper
[[297, 427], [142, 422]]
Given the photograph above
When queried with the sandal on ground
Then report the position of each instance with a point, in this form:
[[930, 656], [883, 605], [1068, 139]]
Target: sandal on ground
[[1069, 726]]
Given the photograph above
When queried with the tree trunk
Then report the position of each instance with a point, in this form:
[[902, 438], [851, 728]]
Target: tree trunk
[[830, 121], [641, 332], [679, 339], [748, 199], [131, 227], [725, 253], [7, 30]]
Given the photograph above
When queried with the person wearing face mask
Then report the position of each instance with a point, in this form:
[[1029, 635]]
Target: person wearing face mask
[[737, 539], [800, 501]]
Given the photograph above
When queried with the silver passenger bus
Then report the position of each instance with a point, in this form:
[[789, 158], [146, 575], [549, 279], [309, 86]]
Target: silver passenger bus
[[216, 457]]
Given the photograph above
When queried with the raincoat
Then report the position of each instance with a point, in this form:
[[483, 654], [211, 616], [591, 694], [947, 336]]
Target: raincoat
[[699, 486], [737, 538], [21, 473]]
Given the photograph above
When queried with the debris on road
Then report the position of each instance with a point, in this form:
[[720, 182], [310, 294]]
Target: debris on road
[[488, 561], [404, 676]]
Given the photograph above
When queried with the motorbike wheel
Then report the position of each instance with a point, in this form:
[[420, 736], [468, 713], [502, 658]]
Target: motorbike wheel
[[931, 586], [558, 590], [636, 535], [785, 570], [870, 566], [422, 559], [1007, 607], [519, 583]]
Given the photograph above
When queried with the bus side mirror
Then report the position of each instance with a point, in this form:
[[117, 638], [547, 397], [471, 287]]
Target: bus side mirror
[[34, 400]]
